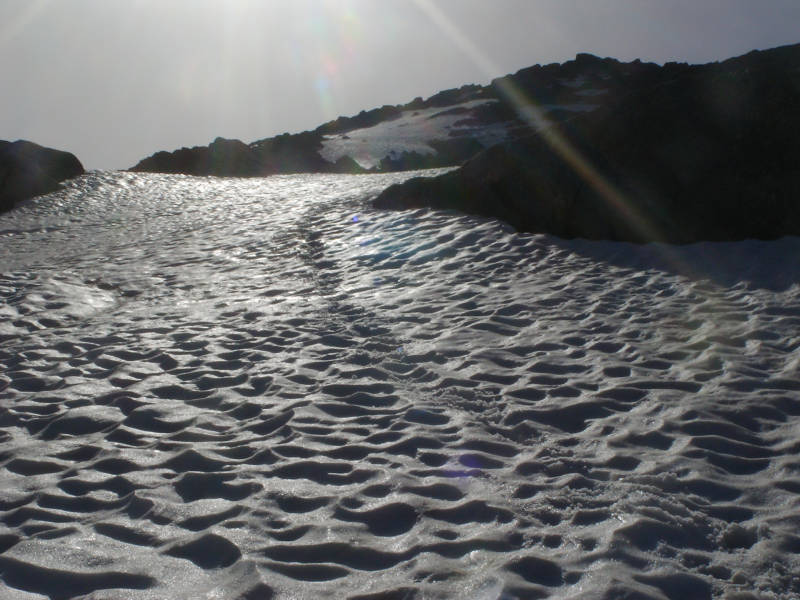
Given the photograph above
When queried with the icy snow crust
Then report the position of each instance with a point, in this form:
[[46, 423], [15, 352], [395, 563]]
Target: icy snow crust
[[411, 132], [261, 388]]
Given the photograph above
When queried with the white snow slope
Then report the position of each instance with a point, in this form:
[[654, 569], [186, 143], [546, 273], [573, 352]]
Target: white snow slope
[[412, 131], [247, 389]]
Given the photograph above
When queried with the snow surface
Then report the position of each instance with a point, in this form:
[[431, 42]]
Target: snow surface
[[411, 132], [259, 388]]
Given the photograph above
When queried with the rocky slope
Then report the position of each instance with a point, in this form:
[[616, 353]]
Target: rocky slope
[[443, 130], [28, 169], [705, 152]]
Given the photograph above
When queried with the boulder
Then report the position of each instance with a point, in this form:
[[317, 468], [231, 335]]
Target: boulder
[[296, 153], [28, 169]]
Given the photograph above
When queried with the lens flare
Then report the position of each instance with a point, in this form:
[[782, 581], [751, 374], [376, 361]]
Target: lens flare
[[336, 35], [529, 111]]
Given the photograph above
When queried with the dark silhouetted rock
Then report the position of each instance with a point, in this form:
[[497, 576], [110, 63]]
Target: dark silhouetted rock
[[222, 157], [286, 153], [576, 96], [366, 118], [586, 83], [27, 170], [708, 152], [230, 157]]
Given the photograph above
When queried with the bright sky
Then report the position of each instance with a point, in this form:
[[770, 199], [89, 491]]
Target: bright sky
[[115, 80]]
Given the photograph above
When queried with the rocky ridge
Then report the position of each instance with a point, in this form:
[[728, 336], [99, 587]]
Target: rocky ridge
[[448, 128], [705, 152]]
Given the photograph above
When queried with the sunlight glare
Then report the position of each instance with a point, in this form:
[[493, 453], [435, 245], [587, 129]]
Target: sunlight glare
[[529, 111]]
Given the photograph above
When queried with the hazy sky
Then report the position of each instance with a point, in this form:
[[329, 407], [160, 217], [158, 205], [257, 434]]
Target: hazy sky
[[115, 80]]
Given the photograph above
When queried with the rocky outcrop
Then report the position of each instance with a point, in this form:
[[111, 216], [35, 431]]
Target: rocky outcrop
[[285, 153], [586, 83], [706, 105], [28, 169], [701, 153], [298, 153], [222, 157]]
